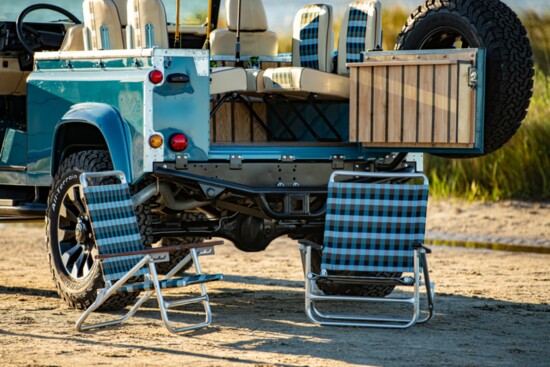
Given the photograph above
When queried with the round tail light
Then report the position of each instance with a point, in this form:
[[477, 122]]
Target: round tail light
[[155, 76], [178, 142]]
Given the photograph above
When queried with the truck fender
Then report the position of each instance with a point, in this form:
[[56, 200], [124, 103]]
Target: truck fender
[[108, 122]]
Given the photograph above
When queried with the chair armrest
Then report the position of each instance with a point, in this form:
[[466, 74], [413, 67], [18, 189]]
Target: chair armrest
[[310, 244], [156, 250]]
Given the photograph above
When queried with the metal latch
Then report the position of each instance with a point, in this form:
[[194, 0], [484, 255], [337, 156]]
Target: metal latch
[[472, 80], [338, 161], [181, 161], [235, 162]]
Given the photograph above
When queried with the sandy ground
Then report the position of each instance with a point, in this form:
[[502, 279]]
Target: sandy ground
[[492, 308]]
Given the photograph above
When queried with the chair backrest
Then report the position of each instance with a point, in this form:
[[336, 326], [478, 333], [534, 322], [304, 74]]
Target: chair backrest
[[147, 26], [253, 16], [313, 38], [361, 30], [115, 227], [103, 25], [256, 39], [373, 227]]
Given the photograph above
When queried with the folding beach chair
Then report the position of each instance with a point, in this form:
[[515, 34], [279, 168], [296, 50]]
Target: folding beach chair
[[371, 227], [122, 256]]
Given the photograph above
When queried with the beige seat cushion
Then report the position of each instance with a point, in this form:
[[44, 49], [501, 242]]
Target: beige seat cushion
[[74, 38], [228, 79], [143, 14], [98, 15], [222, 42], [256, 40], [300, 82]]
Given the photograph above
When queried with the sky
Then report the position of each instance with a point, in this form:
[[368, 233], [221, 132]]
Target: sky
[[279, 16]]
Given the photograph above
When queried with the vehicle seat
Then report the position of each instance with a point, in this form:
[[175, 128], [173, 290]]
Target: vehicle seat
[[312, 53], [147, 26], [361, 30], [256, 39], [74, 38], [103, 20]]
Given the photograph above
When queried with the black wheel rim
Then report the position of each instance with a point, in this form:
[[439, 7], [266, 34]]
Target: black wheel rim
[[74, 239], [446, 37]]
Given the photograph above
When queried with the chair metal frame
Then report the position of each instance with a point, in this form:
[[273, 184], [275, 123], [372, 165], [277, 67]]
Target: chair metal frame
[[313, 294], [150, 256]]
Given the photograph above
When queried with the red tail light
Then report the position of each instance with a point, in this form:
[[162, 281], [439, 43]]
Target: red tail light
[[155, 76], [178, 142]]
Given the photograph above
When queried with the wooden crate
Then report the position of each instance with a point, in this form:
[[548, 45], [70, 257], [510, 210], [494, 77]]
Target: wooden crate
[[414, 100]]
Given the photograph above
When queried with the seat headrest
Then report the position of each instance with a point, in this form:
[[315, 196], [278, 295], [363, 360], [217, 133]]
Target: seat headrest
[[253, 17], [122, 13], [361, 30]]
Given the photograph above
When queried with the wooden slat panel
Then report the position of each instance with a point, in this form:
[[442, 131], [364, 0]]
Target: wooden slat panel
[[421, 101], [417, 59], [353, 98], [441, 128], [410, 104], [365, 105], [465, 135], [426, 100], [395, 103], [380, 104], [259, 131], [453, 113], [223, 123], [242, 123]]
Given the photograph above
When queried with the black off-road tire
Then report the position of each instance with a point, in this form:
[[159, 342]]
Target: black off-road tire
[[77, 292], [488, 24], [335, 289]]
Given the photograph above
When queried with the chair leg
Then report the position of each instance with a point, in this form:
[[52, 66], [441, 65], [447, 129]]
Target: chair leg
[[318, 317], [165, 305], [104, 294], [429, 287]]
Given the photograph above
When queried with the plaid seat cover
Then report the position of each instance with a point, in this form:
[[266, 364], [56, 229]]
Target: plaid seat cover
[[115, 227], [309, 36], [171, 283], [282, 78], [357, 29], [373, 227]]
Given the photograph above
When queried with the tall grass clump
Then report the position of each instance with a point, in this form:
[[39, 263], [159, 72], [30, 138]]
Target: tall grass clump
[[520, 170]]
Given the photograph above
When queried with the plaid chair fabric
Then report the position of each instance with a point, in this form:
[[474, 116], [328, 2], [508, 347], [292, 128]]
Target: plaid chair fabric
[[373, 227], [114, 224], [115, 227], [357, 29], [309, 36]]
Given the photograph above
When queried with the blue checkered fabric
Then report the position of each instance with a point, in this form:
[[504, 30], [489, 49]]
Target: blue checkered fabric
[[357, 30], [309, 36], [171, 283], [115, 227], [373, 227], [282, 78]]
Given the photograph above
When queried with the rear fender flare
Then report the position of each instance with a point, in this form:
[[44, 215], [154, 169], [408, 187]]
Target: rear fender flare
[[112, 127]]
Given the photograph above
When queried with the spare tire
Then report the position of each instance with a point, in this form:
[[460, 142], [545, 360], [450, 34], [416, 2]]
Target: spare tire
[[488, 24]]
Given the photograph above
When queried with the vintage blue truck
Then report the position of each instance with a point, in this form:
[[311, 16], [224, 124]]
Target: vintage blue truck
[[222, 135]]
